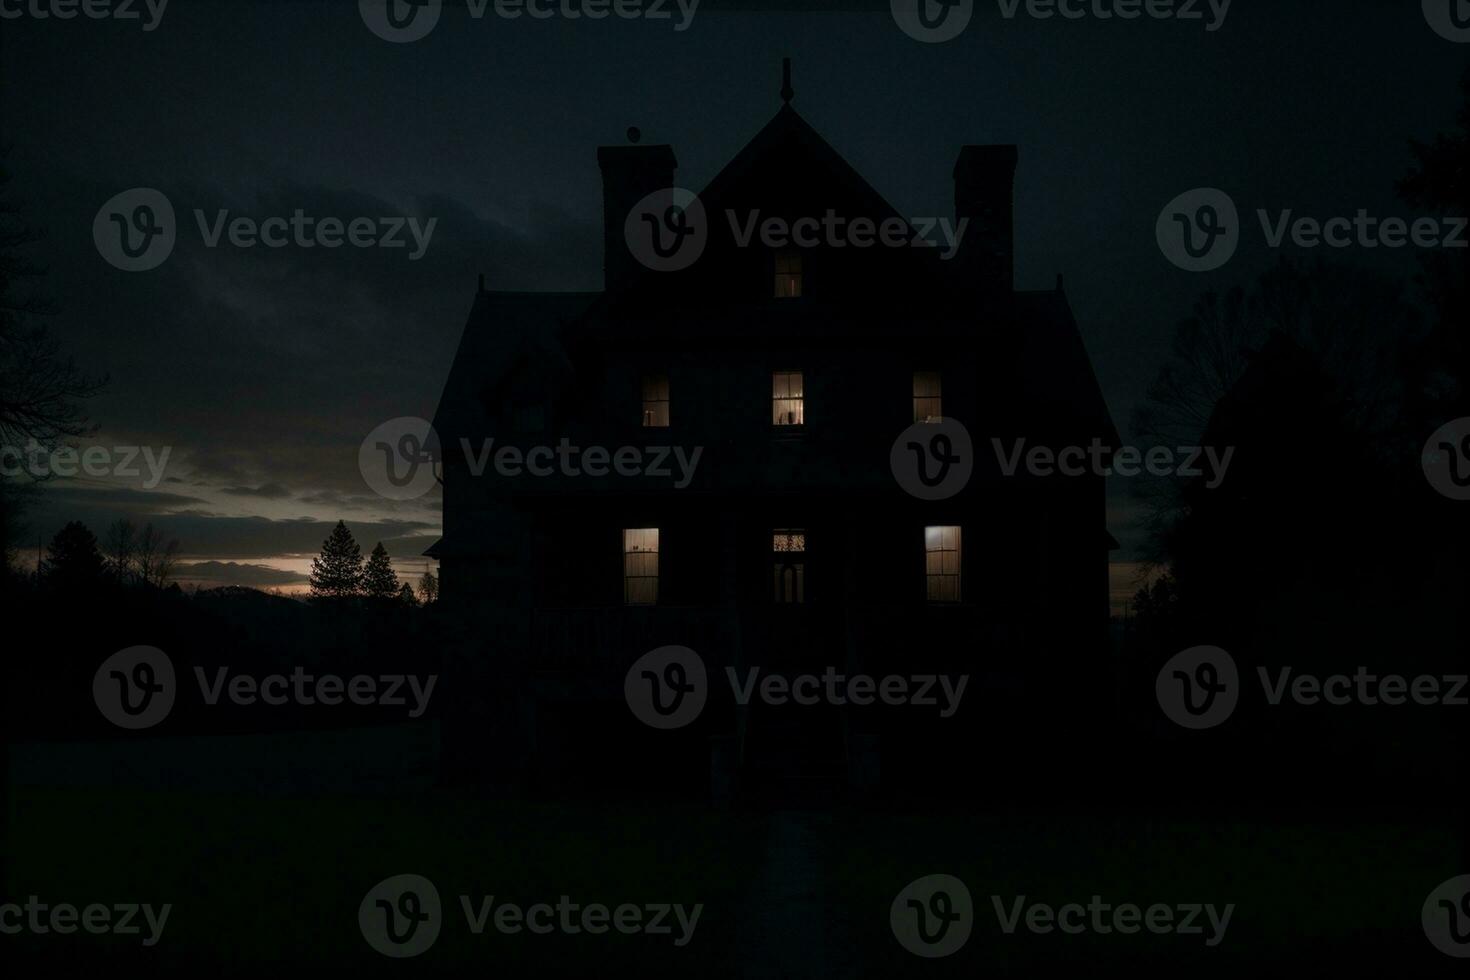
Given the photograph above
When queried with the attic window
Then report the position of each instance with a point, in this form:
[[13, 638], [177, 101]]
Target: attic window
[[655, 401], [788, 274], [788, 401], [928, 405]]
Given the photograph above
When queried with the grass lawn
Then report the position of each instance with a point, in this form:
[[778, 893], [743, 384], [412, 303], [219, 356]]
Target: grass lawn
[[258, 882]]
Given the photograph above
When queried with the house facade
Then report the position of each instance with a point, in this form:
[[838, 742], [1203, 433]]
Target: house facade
[[710, 457]]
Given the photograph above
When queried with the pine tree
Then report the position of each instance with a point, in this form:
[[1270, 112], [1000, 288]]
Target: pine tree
[[429, 589], [378, 581], [406, 596], [72, 558], [337, 572]]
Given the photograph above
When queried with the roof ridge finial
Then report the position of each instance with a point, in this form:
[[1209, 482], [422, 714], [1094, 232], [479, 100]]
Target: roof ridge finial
[[786, 92]]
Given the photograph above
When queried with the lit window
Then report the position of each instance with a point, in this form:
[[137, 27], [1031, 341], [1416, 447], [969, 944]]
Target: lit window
[[942, 563], [927, 402], [787, 401], [640, 566], [656, 401], [788, 275], [788, 548]]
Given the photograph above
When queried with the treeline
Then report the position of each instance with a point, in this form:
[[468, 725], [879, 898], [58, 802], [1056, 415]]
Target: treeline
[[340, 574]]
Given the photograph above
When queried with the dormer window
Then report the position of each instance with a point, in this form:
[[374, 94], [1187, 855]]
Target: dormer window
[[928, 405], [655, 401], [788, 274], [788, 402]]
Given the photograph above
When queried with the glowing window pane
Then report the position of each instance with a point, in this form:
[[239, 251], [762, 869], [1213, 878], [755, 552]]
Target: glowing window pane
[[942, 563], [640, 566]]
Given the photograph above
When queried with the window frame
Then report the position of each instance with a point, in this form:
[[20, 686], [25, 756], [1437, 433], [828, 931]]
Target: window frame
[[939, 582], [797, 277], [937, 398], [789, 559], [656, 378], [633, 547], [788, 399]]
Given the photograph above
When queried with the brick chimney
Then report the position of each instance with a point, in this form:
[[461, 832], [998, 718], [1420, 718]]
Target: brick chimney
[[984, 192], [629, 174]]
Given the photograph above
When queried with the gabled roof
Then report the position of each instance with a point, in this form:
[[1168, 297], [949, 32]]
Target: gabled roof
[[791, 139], [1059, 385], [502, 327]]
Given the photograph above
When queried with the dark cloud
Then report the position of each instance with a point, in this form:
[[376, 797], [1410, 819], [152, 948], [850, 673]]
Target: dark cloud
[[217, 573], [269, 491]]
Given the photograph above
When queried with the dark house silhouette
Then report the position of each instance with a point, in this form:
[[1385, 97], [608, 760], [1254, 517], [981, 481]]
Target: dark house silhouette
[[792, 547]]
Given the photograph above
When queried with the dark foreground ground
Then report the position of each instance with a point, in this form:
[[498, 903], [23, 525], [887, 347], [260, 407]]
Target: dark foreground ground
[[256, 882]]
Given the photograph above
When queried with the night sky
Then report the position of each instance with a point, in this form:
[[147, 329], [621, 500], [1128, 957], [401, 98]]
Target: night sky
[[263, 369]]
